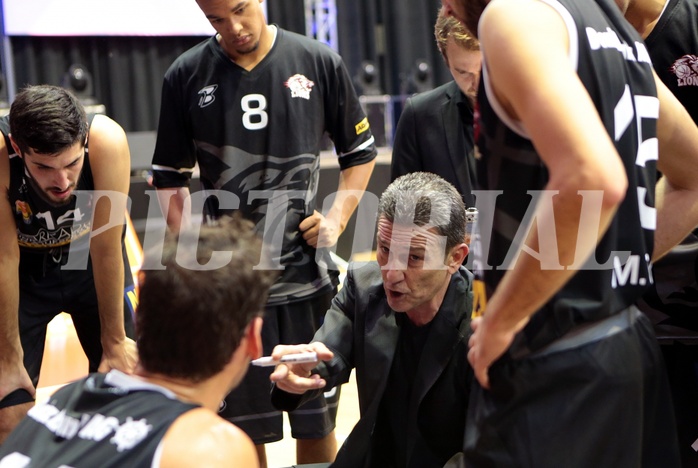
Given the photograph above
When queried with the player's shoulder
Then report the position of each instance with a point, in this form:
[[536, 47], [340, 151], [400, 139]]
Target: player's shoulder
[[299, 42], [517, 14], [105, 131], [191, 57], [201, 438]]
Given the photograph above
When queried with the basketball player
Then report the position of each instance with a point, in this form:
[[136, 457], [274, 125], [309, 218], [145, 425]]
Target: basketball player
[[569, 371], [193, 348], [668, 28], [50, 149], [250, 106]]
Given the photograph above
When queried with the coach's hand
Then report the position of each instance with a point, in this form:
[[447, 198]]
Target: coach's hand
[[297, 378]]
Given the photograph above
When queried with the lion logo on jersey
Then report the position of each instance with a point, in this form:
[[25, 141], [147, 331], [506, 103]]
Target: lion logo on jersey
[[300, 86], [686, 70], [25, 210]]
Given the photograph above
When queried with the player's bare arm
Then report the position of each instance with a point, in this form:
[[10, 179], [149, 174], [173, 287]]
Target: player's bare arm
[[539, 87], [324, 231], [111, 164], [13, 375], [676, 192], [173, 202]]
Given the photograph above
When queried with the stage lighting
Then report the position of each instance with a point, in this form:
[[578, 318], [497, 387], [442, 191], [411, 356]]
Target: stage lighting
[[422, 76], [78, 80], [367, 80]]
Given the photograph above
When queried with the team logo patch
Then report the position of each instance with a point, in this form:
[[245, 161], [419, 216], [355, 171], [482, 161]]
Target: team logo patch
[[300, 86], [686, 70], [361, 126], [130, 434], [26, 211], [207, 96]]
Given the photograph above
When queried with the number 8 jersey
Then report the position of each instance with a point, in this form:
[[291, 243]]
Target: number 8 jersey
[[256, 136]]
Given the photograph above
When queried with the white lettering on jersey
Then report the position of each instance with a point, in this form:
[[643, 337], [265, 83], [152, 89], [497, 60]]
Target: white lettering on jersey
[[99, 427], [15, 460], [629, 273], [94, 428], [608, 39]]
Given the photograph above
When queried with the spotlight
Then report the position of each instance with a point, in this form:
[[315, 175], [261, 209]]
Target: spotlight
[[367, 80], [78, 80], [422, 76]]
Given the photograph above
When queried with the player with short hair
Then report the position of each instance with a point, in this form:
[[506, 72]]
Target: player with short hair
[[52, 158], [198, 328], [250, 107]]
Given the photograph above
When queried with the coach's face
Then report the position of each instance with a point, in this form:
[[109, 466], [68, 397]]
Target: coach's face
[[467, 12], [415, 268]]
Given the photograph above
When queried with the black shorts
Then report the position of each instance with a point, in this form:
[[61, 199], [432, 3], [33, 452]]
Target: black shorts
[[605, 403], [249, 405], [47, 289]]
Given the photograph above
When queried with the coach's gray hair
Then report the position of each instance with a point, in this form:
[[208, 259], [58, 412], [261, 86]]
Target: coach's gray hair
[[423, 198]]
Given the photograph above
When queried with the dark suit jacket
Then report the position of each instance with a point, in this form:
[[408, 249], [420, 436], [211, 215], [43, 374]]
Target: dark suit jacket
[[430, 137], [361, 330]]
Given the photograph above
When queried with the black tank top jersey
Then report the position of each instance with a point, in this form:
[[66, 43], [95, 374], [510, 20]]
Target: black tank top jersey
[[104, 420], [257, 135], [42, 226], [615, 68], [673, 46]]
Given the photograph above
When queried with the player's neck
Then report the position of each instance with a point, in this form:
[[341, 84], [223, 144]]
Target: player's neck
[[208, 393], [644, 14]]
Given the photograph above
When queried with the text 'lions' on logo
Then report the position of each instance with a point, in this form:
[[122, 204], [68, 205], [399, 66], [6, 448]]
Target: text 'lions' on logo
[[686, 70], [300, 86], [207, 96]]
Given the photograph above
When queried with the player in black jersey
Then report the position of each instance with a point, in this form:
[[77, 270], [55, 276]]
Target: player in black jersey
[[198, 328], [52, 159], [250, 106], [669, 29], [573, 127]]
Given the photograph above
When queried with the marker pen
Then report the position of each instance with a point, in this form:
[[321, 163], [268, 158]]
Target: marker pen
[[298, 358]]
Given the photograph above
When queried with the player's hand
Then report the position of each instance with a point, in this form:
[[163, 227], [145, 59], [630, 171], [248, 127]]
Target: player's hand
[[13, 376], [487, 344], [319, 231], [296, 378], [121, 356]]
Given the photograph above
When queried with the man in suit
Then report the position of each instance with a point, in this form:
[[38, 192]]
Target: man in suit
[[435, 130], [402, 322]]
